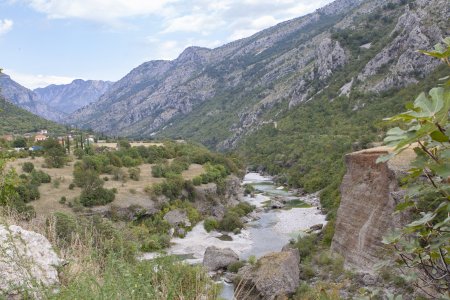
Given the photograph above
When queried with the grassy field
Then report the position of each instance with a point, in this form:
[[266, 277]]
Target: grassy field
[[129, 193]]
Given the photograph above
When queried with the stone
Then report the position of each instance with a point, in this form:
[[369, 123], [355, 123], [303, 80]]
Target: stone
[[316, 227], [369, 280], [275, 275], [276, 204], [177, 217], [26, 258], [216, 259]]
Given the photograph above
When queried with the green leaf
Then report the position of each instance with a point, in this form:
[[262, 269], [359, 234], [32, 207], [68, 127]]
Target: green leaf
[[438, 136], [442, 170], [424, 220], [404, 205], [429, 107]]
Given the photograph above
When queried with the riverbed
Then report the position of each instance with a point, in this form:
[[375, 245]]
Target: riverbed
[[270, 230]]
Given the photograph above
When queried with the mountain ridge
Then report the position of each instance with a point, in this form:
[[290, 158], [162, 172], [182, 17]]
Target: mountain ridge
[[286, 64]]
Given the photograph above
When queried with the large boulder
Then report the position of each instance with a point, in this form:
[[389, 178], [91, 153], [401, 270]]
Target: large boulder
[[275, 275], [216, 258], [177, 217], [27, 260]]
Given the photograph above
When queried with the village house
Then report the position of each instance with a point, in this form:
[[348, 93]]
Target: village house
[[40, 137]]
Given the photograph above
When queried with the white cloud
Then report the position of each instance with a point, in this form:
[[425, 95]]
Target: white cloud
[[33, 81], [99, 10], [5, 26], [200, 23]]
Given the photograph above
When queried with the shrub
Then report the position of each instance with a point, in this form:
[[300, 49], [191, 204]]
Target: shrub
[[197, 180], [235, 266], [27, 167], [252, 260], [134, 173], [210, 224], [96, 196], [230, 221], [63, 200], [248, 189], [56, 183], [38, 177], [28, 192], [71, 186]]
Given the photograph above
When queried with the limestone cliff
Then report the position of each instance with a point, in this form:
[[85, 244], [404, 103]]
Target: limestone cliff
[[369, 195]]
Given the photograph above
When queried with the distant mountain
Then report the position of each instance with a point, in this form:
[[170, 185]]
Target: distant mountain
[[27, 99], [16, 120], [218, 96], [69, 97]]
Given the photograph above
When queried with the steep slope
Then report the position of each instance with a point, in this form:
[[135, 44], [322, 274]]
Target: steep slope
[[27, 99], [218, 96], [17, 120], [69, 97]]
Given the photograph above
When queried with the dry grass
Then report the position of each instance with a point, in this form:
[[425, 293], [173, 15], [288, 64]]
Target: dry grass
[[129, 193]]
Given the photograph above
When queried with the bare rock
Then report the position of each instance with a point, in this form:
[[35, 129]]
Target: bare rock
[[275, 275], [177, 217], [26, 260], [216, 259]]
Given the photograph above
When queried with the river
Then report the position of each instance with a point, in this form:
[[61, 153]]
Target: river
[[269, 232]]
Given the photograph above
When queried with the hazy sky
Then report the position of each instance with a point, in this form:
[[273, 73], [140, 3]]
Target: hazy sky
[[56, 41]]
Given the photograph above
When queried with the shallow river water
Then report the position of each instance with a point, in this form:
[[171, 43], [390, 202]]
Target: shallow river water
[[269, 233]]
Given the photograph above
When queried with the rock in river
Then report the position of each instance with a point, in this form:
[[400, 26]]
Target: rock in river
[[216, 258]]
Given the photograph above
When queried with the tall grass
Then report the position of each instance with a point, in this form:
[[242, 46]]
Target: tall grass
[[101, 263]]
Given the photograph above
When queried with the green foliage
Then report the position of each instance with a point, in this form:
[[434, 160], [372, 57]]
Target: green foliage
[[232, 217], [19, 143], [55, 154], [210, 224], [16, 120], [235, 266], [27, 167], [38, 177], [171, 187], [424, 243], [134, 173], [163, 278], [96, 196]]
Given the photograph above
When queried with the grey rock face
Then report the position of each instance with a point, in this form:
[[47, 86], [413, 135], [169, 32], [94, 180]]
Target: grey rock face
[[216, 259], [26, 260], [177, 217], [27, 99], [278, 68], [69, 97], [275, 275]]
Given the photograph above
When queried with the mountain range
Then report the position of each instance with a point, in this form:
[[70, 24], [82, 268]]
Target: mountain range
[[53, 102], [218, 96]]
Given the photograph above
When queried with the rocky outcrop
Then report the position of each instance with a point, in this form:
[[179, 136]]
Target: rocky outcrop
[[27, 261], [177, 217], [369, 195], [216, 259], [274, 275], [209, 200]]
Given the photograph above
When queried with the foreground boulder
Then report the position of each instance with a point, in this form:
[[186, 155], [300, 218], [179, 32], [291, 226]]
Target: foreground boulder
[[275, 275], [216, 259], [27, 261]]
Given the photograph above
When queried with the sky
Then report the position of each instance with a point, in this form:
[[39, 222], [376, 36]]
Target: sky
[[46, 42]]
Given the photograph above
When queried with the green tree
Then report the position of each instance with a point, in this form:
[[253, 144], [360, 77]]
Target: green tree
[[55, 155], [424, 244]]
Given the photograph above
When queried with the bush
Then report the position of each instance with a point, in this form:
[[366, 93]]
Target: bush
[[28, 192], [38, 177], [134, 173], [197, 180], [210, 224], [235, 266], [230, 221], [63, 200], [248, 189], [97, 196], [27, 167], [71, 186]]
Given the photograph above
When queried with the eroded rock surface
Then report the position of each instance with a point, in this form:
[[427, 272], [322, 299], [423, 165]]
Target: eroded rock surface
[[216, 259], [27, 261], [274, 275], [369, 195]]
